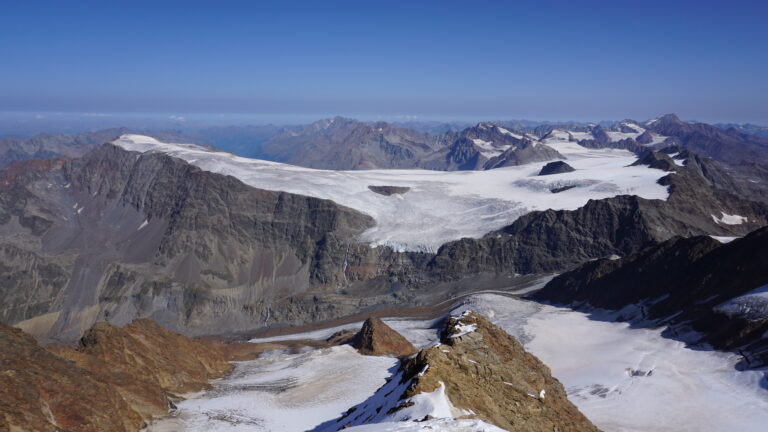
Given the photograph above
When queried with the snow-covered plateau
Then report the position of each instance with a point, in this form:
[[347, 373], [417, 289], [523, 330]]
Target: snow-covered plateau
[[440, 206], [622, 379]]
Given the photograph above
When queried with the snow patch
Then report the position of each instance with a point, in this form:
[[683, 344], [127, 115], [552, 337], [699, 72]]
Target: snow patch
[[464, 329], [724, 239], [730, 219]]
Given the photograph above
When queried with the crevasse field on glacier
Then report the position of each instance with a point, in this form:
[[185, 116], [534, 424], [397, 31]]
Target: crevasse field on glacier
[[440, 206], [623, 379]]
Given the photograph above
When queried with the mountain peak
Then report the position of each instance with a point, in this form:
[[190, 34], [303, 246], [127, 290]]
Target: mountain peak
[[670, 118]]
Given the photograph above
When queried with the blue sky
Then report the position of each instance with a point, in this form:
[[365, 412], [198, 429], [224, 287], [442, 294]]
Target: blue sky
[[432, 59]]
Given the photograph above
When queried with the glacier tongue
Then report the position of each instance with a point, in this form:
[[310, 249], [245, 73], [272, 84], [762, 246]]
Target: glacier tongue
[[440, 206]]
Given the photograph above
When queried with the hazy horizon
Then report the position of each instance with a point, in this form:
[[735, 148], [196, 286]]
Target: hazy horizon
[[30, 123], [447, 60]]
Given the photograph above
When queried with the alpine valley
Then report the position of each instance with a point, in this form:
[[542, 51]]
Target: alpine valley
[[374, 276]]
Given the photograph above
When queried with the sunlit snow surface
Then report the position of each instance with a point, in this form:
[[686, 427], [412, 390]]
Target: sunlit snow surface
[[441, 206], [283, 392], [605, 367], [623, 379]]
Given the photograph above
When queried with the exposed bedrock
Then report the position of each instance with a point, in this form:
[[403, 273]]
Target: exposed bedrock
[[117, 235]]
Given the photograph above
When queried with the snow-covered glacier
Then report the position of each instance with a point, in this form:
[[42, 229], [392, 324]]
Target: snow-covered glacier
[[440, 206], [622, 378]]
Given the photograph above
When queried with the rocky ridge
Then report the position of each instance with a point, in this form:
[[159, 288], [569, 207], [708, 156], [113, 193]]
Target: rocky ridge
[[478, 371], [116, 380]]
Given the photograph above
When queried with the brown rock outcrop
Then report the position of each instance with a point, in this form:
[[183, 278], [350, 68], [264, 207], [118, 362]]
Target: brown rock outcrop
[[43, 392], [115, 380], [147, 364], [378, 339], [488, 372]]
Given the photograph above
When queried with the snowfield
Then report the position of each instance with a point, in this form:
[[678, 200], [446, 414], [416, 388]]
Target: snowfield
[[441, 206], [622, 379], [632, 380], [283, 392]]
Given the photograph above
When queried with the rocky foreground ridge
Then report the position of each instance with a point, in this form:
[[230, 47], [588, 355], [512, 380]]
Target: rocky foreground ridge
[[477, 371], [116, 379]]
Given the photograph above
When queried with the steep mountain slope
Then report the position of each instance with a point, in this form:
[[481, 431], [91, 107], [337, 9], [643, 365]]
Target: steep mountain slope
[[147, 229], [693, 283], [551, 240], [44, 392], [118, 234], [117, 379]]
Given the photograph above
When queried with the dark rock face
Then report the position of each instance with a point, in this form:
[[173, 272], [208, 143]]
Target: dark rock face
[[118, 234], [378, 339], [389, 190], [656, 160], [679, 282], [550, 241], [710, 141], [525, 152], [645, 137], [557, 167]]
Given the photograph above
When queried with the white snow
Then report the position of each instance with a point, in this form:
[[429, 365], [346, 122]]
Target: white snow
[[434, 425], [321, 334], [579, 136], [686, 391], [143, 224], [283, 392], [656, 139], [724, 239], [752, 305], [435, 404], [464, 329], [668, 387], [420, 333], [488, 149], [728, 219], [441, 206], [618, 136], [507, 132]]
